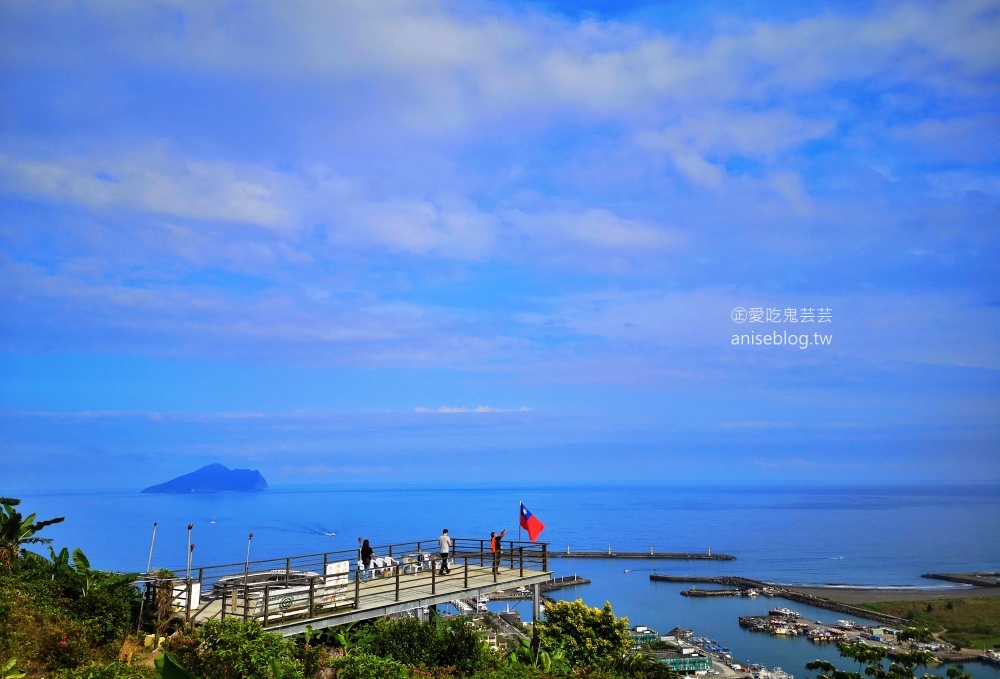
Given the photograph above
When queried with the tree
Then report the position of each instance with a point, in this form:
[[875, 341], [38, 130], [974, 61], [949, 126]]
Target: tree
[[17, 531], [914, 634], [864, 655], [870, 659], [75, 573], [587, 636]]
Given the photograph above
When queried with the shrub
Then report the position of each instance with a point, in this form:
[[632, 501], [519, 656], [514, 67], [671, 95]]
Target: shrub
[[184, 649], [587, 636], [457, 644], [363, 665], [110, 670], [64, 649], [112, 610], [233, 649], [406, 640], [446, 643]]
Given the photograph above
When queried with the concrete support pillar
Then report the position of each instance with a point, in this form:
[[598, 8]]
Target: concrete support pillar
[[535, 604]]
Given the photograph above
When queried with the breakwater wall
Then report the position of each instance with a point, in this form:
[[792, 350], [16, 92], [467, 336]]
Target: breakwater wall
[[977, 579], [790, 594], [842, 608], [552, 585], [710, 592], [612, 554]]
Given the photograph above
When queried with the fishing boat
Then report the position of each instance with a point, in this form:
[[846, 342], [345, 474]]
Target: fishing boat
[[787, 612]]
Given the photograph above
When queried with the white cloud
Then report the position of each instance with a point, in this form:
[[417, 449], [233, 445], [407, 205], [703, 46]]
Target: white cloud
[[474, 63], [446, 228], [691, 142], [448, 410], [154, 182], [594, 228]]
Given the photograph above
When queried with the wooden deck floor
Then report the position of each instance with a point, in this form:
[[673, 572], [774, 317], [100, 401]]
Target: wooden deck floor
[[287, 611]]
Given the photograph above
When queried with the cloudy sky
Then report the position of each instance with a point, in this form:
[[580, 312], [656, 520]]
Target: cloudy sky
[[427, 241]]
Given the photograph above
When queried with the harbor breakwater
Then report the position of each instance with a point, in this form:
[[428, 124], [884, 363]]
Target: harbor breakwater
[[977, 579], [651, 554], [785, 593]]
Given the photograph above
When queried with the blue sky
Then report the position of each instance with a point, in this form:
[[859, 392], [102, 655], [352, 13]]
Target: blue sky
[[451, 242]]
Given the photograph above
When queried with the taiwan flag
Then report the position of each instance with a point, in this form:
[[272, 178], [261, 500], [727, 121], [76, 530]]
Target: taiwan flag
[[531, 523]]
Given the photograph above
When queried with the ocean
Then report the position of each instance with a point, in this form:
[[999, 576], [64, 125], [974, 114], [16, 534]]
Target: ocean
[[877, 536]]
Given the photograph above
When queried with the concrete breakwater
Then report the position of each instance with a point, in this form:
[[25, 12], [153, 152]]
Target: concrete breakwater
[[552, 585], [651, 554], [711, 592], [977, 579], [785, 593]]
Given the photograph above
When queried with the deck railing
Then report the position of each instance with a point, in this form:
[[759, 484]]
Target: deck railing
[[275, 590]]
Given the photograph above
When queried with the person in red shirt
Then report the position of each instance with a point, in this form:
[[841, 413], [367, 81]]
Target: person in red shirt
[[495, 548]]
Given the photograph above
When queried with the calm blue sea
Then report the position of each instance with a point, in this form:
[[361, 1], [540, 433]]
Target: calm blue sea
[[873, 536]]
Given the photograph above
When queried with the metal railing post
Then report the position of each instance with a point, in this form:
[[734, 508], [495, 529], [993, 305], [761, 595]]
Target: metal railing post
[[156, 617], [312, 595], [396, 567], [357, 589], [433, 576], [545, 558], [466, 582], [512, 556], [520, 557], [482, 552], [267, 602]]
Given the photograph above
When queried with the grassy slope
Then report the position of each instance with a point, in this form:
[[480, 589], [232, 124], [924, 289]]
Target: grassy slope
[[970, 623]]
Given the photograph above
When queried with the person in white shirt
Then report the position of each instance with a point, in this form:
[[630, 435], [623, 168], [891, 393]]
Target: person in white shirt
[[444, 542]]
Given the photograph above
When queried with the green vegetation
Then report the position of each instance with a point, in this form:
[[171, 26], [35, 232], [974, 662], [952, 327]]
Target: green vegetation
[[969, 623], [586, 636], [870, 664], [400, 648], [16, 531], [232, 649], [59, 616]]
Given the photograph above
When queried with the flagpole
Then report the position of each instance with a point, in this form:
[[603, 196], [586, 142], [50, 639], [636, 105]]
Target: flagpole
[[520, 505]]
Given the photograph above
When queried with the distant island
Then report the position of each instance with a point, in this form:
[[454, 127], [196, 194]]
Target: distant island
[[212, 479]]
